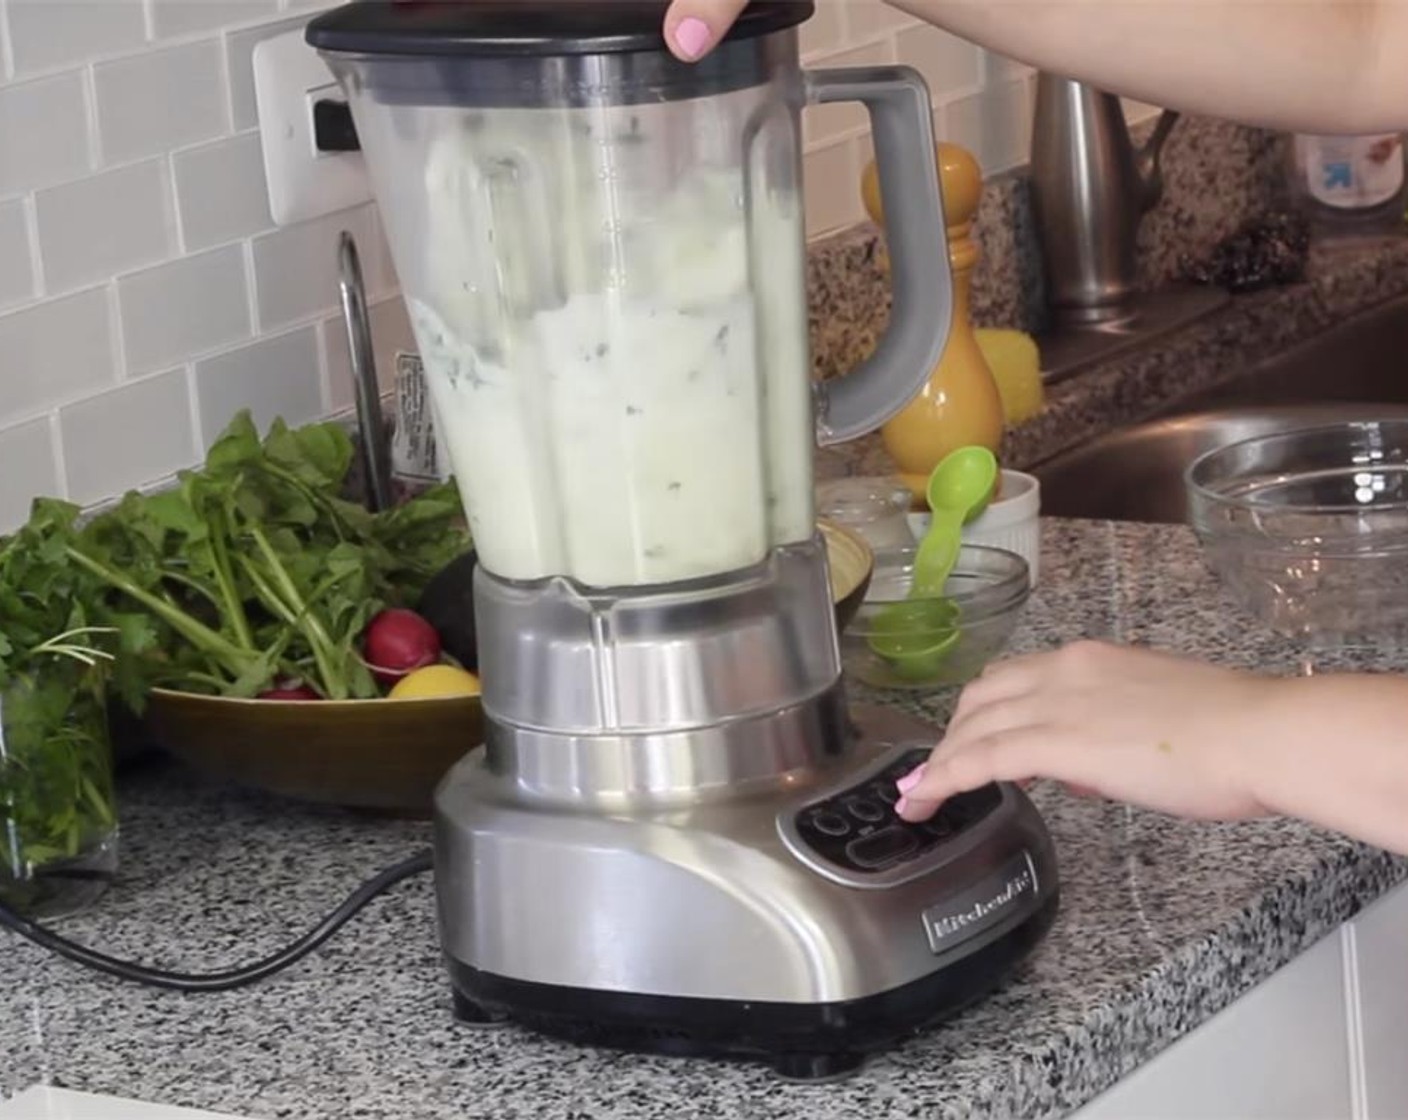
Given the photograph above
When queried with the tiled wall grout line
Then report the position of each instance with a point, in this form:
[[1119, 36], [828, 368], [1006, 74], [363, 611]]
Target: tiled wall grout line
[[56, 447], [7, 51], [90, 110], [36, 261], [117, 341]]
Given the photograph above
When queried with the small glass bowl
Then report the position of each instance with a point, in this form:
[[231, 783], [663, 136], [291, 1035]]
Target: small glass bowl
[[876, 508], [1308, 529], [982, 600]]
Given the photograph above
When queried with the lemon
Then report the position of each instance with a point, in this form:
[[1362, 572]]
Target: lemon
[[436, 682]]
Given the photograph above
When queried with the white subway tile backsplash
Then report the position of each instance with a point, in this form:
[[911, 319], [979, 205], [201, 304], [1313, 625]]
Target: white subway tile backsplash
[[1137, 111], [824, 31], [239, 51], [112, 222], [221, 192], [391, 331], [869, 19], [184, 17], [159, 100], [275, 377], [185, 307], [49, 33], [27, 455], [101, 455], [53, 352], [950, 65], [998, 68], [832, 178], [7, 67], [996, 125], [16, 268], [821, 123], [43, 132], [381, 276], [295, 269]]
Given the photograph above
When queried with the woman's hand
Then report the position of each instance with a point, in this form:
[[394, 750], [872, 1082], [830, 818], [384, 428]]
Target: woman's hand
[[694, 27], [1132, 725]]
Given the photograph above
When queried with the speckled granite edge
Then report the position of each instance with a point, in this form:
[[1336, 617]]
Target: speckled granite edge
[[1201, 979]]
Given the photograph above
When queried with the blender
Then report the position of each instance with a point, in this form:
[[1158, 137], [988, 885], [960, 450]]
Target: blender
[[678, 836]]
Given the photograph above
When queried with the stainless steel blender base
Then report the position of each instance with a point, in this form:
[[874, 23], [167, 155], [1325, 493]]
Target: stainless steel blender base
[[805, 927]]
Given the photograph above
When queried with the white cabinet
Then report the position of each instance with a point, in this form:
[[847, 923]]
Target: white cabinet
[[1381, 950], [1280, 1052], [1324, 1037]]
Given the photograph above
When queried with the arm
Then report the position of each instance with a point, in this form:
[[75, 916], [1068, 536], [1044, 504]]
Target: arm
[[1301, 65], [1183, 737]]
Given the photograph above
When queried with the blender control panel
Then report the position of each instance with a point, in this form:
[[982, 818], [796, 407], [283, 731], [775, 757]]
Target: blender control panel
[[858, 832]]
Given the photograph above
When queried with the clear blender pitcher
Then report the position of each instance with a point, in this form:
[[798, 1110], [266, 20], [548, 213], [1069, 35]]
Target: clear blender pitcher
[[602, 251]]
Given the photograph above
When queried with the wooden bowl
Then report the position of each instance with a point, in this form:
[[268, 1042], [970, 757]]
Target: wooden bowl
[[367, 754], [852, 564], [385, 755]]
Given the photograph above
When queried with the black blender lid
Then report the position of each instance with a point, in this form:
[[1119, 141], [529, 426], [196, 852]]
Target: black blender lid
[[521, 28]]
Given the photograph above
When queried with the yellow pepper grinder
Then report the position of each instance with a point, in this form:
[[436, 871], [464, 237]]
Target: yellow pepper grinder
[[959, 404]]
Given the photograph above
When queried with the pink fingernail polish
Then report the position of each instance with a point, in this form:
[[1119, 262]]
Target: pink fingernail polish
[[912, 779], [901, 805], [692, 37]]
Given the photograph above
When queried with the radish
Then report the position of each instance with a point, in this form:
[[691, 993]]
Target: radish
[[398, 641], [289, 692]]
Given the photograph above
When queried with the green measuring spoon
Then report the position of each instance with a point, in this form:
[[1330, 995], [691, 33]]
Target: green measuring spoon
[[916, 635], [960, 487]]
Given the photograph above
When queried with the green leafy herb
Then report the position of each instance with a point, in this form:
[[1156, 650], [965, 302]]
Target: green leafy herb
[[55, 771], [252, 570], [56, 795]]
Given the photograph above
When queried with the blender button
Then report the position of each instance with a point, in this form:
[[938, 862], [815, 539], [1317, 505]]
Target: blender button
[[886, 792], [880, 848], [831, 824], [863, 809]]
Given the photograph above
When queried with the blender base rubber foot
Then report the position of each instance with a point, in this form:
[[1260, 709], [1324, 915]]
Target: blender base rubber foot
[[470, 1014], [816, 1067]]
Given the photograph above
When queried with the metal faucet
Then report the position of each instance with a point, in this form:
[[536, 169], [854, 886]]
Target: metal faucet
[[1090, 191]]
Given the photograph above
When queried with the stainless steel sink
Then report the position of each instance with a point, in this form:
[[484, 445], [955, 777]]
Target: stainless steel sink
[[1358, 370]]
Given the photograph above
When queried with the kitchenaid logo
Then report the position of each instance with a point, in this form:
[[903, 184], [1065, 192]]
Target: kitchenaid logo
[[981, 907]]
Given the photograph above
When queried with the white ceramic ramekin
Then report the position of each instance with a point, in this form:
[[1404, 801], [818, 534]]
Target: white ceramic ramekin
[[1011, 521]]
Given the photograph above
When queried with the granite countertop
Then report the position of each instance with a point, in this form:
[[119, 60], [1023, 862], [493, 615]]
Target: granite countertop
[[1162, 923]]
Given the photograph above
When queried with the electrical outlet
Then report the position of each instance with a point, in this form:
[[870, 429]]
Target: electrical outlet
[[289, 79]]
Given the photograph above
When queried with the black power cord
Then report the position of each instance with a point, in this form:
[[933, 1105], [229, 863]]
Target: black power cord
[[228, 978]]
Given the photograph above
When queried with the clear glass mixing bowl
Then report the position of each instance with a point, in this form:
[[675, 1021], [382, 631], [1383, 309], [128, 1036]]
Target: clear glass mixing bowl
[[985, 596], [1309, 528]]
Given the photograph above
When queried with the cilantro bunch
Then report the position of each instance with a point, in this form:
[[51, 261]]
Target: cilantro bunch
[[55, 771], [254, 569]]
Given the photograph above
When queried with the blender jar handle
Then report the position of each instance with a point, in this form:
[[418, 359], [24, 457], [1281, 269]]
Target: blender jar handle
[[897, 99]]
